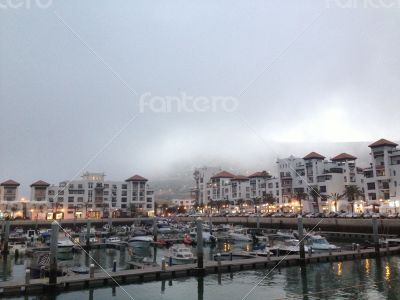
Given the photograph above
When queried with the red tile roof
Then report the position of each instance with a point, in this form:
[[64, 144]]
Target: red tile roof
[[10, 182], [383, 142], [260, 174], [40, 183], [240, 178], [223, 174], [314, 155], [136, 178], [343, 156]]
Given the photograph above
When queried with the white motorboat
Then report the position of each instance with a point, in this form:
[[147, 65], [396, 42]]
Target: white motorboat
[[180, 255], [239, 234], [65, 246], [140, 241], [207, 237], [17, 248], [113, 239], [319, 243], [288, 246]]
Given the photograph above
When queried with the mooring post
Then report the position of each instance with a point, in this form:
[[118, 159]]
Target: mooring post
[[301, 242], [268, 255], [200, 252], [110, 224], [358, 248], [114, 266], [155, 229], [387, 248], [42, 271], [219, 259], [258, 218], [330, 251], [6, 237], [27, 276], [163, 265], [210, 224], [353, 246], [53, 253], [88, 225], [309, 252], [376, 234], [91, 271]]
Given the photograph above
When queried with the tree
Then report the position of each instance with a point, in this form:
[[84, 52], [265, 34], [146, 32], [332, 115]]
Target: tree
[[181, 209], [269, 199], [352, 192], [335, 197], [300, 196], [240, 203], [314, 194], [132, 209], [14, 209]]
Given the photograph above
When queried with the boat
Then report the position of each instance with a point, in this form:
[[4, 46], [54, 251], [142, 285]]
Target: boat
[[207, 237], [65, 246], [113, 239], [239, 234], [319, 243], [187, 240], [140, 241], [17, 248], [180, 255], [288, 246]]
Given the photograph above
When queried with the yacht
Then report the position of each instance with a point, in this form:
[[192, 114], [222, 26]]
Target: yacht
[[319, 243], [239, 234], [180, 255], [65, 246], [140, 241], [286, 244]]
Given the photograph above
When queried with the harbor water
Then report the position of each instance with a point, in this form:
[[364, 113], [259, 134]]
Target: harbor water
[[359, 279]]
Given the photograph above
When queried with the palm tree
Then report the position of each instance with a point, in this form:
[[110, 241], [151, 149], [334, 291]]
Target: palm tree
[[300, 196], [314, 194], [335, 197], [352, 192], [240, 202]]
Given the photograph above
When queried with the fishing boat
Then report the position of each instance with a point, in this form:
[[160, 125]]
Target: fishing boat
[[180, 255], [140, 241]]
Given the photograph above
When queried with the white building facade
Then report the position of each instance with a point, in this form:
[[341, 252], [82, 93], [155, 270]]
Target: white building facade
[[92, 197]]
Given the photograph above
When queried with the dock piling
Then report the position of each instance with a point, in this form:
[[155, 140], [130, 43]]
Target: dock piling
[[91, 270], [358, 248], [268, 255], [163, 265], [309, 252], [88, 224], [114, 266], [301, 237], [200, 251], [6, 237], [27, 276], [219, 259], [376, 234], [330, 251], [53, 253]]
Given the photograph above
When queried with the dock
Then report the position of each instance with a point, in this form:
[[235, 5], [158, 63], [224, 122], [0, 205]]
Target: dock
[[152, 273]]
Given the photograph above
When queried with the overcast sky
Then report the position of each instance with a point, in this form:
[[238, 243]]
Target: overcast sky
[[304, 72]]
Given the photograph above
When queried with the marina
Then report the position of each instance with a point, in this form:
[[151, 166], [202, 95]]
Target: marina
[[93, 258]]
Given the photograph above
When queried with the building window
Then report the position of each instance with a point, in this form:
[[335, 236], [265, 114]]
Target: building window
[[80, 186], [124, 186], [371, 185], [70, 199], [123, 199], [90, 185]]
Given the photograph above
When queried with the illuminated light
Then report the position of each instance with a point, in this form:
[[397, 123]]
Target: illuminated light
[[367, 266], [339, 269], [387, 272]]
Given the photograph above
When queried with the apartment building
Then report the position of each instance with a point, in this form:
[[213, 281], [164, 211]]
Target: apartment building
[[316, 179], [202, 177], [10, 204], [92, 196], [382, 177]]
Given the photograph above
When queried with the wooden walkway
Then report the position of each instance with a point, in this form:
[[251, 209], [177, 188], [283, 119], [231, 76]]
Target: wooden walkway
[[101, 279]]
